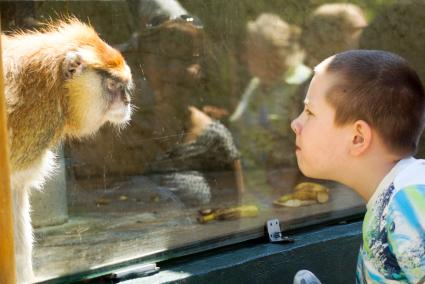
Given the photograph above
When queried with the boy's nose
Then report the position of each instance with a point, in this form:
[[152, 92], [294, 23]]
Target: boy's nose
[[295, 126]]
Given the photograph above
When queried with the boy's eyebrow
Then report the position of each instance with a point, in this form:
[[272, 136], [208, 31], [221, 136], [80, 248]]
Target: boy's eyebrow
[[307, 102]]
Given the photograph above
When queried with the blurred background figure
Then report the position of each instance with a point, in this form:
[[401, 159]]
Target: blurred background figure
[[190, 143], [332, 28], [262, 118], [171, 54]]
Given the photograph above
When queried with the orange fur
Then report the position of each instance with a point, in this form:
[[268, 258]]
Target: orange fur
[[35, 84], [55, 87]]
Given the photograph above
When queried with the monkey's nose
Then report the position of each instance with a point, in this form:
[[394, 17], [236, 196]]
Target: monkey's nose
[[125, 96]]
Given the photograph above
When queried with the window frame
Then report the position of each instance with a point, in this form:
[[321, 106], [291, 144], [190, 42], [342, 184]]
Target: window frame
[[7, 251]]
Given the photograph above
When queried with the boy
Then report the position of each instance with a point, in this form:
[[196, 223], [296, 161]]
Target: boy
[[363, 116]]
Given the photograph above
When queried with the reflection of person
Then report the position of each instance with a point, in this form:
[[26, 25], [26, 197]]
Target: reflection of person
[[364, 113], [331, 28], [274, 61], [190, 142]]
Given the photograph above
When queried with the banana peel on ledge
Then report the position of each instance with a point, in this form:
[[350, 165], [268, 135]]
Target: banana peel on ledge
[[229, 213], [305, 193]]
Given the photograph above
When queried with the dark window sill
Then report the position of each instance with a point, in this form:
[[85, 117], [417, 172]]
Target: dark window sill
[[329, 252]]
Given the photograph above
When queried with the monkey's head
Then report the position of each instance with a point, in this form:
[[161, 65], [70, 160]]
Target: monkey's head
[[97, 80]]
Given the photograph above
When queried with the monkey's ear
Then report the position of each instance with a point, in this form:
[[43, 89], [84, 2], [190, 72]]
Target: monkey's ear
[[72, 65]]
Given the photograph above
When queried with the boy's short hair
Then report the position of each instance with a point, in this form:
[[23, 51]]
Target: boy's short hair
[[382, 89]]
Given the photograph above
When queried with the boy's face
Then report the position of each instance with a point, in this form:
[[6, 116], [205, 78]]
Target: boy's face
[[321, 147]]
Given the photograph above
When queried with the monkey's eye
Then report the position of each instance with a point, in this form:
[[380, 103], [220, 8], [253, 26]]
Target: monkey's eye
[[120, 86], [114, 85], [111, 84]]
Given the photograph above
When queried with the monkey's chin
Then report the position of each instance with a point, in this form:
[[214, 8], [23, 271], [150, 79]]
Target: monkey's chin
[[119, 115]]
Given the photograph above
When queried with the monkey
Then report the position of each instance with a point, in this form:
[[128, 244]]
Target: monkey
[[61, 81]]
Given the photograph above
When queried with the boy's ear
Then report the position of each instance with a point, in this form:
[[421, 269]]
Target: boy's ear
[[361, 138]]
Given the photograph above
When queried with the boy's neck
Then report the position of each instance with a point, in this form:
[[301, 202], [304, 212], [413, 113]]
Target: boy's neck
[[367, 186], [372, 172]]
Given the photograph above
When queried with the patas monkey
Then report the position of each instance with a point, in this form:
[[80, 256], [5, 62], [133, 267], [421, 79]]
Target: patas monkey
[[62, 81]]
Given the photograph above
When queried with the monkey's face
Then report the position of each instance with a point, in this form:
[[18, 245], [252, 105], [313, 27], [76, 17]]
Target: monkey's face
[[96, 95], [117, 94]]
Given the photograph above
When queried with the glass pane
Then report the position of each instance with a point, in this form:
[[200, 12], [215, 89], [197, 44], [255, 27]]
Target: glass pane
[[209, 155]]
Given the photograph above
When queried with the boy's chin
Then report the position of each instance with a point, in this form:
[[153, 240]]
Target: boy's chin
[[316, 175], [310, 173], [306, 173]]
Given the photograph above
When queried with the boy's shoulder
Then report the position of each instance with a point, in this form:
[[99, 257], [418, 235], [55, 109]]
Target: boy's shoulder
[[394, 225], [412, 173], [407, 172]]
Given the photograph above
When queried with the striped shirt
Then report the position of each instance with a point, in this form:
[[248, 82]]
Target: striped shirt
[[393, 249]]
